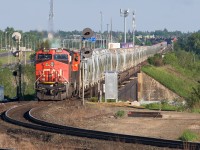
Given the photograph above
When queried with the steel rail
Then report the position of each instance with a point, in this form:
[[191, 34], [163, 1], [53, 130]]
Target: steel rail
[[68, 130]]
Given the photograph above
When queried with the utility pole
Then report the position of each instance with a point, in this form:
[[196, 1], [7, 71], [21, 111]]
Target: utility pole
[[20, 70], [101, 28], [1, 42], [124, 13], [111, 30], [134, 26], [108, 37], [9, 48], [5, 40]]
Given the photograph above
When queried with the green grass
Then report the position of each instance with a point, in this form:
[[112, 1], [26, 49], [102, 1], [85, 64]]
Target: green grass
[[178, 83], [3, 51], [11, 59], [195, 110], [7, 80], [189, 136], [93, 99], [161, 106], [8, 60]]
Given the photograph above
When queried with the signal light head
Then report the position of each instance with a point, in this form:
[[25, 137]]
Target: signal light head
[[15, 73], [87, 33]]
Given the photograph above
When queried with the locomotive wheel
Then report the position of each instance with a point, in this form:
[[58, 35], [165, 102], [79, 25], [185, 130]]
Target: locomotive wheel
[[75, 89], [62, 96], [75, 93], [69, 92]]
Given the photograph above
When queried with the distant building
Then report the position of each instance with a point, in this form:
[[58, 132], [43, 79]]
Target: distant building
[[146, 37]]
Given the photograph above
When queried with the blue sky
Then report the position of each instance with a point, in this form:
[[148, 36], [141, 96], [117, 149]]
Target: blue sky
[[151, 15]]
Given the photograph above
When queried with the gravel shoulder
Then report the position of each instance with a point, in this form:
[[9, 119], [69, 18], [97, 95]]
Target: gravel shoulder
[[96, 116], [100, 116]]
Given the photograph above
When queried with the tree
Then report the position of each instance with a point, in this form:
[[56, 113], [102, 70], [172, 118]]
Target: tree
[[181, 43], [45, 44], [194, 101], [9, 30], [194, 43], [170, 58]]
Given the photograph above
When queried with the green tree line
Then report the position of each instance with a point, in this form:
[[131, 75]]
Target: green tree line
[[33, 38], [189, 43]]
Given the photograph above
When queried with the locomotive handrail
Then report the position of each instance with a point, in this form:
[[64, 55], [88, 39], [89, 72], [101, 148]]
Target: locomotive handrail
[[38, 79], [43, 74], [65, 79]]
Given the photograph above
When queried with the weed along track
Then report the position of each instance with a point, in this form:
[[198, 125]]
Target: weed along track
[[24, 116]]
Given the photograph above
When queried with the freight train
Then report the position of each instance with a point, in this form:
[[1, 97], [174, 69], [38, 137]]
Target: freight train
[[59, 72], [116, 60]]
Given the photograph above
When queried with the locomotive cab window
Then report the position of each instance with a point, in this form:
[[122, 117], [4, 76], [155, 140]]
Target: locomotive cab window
[[61, 57], [43, 57]]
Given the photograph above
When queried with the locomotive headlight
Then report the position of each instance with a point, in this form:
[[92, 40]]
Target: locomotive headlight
[[52, 64]]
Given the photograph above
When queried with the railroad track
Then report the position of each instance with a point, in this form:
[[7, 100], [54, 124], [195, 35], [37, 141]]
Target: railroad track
[[23, 116]]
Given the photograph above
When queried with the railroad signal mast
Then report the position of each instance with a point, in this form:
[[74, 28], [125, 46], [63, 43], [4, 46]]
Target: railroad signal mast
[[16, 36], [85, 53], [134, 27]]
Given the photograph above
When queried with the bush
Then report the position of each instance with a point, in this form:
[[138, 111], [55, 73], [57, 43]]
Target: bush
[[167, 107], [156, 60], [161, 106], [189, 136], [93, 99], [194, 100], [119, 113], [195, 110], [170, 59], [153, 106]]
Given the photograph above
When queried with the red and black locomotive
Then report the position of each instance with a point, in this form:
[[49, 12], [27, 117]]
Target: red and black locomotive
[[57, 73]]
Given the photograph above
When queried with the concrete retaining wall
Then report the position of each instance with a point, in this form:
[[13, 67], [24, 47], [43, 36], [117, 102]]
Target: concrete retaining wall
[[150, 89]]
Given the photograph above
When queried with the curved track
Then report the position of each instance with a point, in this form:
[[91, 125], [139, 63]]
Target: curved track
[[23, 116]]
